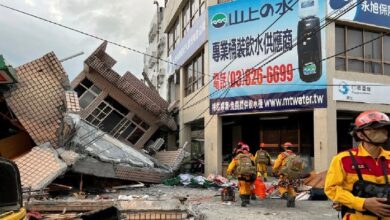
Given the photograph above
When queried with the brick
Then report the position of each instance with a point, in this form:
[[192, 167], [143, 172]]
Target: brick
[[37, 97]]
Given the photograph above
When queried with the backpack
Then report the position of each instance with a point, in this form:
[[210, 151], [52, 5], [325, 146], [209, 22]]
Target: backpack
[[293, 166], [245, 165], [262, 157]]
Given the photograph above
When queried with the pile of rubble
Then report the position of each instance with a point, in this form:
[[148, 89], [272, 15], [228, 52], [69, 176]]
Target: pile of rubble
[[48, 135]]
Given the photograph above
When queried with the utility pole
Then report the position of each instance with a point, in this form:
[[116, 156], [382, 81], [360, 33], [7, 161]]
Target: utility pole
[[158, 43]]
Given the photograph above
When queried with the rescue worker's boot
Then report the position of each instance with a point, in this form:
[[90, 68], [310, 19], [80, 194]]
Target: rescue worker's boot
[[290, 201], [253, 197], [248, 199], [243, 202]]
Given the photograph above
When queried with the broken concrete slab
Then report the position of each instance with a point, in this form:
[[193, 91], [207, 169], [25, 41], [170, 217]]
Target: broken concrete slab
[[71, 205], [171, 158], [149, 205], [39, 167], [93, 142], [101, 155]]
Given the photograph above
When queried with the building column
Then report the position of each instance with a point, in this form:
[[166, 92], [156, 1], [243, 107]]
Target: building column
[[325, 137], [184, 129], [213, 144]]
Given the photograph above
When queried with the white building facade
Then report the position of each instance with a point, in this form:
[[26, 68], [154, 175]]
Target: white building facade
[[154, 65]]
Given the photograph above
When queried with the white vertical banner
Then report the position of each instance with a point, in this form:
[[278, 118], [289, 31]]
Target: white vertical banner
[[355, 91]]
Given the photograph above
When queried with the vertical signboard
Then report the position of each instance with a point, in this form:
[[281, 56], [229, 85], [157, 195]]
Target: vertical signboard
[[191, 42], [241, 47]]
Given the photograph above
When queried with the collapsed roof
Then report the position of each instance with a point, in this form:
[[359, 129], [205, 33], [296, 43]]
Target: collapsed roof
[[146, 97]]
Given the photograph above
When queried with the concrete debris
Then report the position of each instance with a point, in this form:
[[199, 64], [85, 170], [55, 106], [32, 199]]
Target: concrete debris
[[104, 156], [91, 141], [129, 186], [131, 208], [51, 115]]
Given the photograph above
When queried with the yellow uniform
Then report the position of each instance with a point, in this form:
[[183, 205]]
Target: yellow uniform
[[341, 176], [284, 185], [262, 167], [244, 182]]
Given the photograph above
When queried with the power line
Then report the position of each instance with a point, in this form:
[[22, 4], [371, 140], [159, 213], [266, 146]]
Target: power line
[[319, 85], [295, 44], [344, 12], [204, 86], [91, 35]]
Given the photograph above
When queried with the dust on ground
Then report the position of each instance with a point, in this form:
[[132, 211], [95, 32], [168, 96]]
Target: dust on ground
[[207, 204]]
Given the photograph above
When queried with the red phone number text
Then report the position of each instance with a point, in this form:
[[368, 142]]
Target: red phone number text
[[254, 76]]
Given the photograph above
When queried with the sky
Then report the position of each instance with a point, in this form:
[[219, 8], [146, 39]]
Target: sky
[[127, 22]]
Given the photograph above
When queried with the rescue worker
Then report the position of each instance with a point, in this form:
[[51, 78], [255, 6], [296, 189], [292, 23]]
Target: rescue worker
[[238, 147], [263, 160], [286, 186], [367, 164], [243, 165]]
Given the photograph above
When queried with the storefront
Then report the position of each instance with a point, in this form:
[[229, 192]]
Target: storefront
[[272, 130]]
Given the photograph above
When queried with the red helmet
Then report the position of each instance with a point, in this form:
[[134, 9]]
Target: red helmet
[[371, 118], [287, 144], [240, 143], [245, 147]]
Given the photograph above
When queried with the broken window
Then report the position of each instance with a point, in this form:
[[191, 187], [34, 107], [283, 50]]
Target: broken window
[[135, 136], [139, 122], [110, 117], [111, 121], [122, 109], [131, 130], [87, 92]]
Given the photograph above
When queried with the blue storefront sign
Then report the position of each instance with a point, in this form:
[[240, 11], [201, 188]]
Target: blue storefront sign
[[244, 78], [376, 12], [191, 42]]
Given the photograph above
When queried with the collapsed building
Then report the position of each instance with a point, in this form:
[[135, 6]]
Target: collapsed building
[[48, 131]]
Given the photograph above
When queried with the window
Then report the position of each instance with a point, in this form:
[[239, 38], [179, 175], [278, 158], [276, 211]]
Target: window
[[194, 77], [176, 34], [108, 115], [87, 92], [202, 7], [170, 41], [186, 18], [173, 36], [122, 109], [367, 58], [194, 10], [131, 130]]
